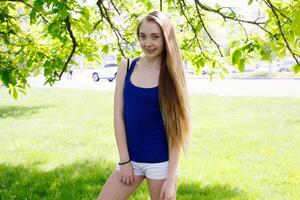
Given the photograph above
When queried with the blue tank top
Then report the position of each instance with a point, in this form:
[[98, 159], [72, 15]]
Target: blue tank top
[[145, 130]]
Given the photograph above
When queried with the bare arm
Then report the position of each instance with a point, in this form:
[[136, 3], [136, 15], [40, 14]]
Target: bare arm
[[119, 125], [173, 164], [168, 190]]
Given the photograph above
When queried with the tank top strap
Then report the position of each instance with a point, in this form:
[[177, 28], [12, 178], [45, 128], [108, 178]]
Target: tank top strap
[[132, 65]]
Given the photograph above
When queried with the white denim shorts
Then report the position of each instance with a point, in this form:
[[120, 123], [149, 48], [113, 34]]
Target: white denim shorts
[[150, 170]]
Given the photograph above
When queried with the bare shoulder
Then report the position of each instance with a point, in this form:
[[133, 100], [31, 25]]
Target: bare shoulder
[[123, 65], [122, 69], [120, 81]]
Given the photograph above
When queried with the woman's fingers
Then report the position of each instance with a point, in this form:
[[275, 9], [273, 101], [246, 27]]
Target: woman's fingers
[[131, 179], [123, 179], [162, 195], [128, 180]]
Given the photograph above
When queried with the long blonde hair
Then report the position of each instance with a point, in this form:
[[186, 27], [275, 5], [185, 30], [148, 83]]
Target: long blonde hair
[[173, 93]]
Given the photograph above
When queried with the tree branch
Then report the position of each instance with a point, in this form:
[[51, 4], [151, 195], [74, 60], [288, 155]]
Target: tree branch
[[207, 32], [68, 23], [95, 26], [245, 32], [217, 11], [112, 2], [281, 31], [182, 3], [275, 8], [119, 36], [27, 4], [10, 16]]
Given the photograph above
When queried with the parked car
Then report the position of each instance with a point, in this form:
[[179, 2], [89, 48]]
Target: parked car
[[224, 69], [230, 69], [284, 65], [287, 64], [108, 71]]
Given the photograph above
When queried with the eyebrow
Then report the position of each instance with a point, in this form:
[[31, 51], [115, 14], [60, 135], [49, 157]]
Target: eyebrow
[[150, 33]]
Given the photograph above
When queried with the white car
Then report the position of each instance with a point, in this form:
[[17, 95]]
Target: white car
[[108, 71]]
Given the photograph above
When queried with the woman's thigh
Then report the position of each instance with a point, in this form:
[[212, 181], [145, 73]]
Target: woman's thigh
[[155, 188], [113, 189]]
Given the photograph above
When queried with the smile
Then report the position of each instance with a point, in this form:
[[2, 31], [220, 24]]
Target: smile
[[150, 50]]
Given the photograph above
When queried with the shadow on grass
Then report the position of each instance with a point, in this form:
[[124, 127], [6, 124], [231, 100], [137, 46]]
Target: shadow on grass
[[19, 111], [84, 180]]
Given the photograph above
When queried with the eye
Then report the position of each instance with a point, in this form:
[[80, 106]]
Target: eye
[[142, 36], [155, 37]]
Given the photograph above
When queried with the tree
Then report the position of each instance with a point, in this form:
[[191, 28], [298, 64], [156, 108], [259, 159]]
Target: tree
[[44, 36]]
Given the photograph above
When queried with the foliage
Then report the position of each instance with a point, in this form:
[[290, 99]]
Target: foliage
[[45, 36]]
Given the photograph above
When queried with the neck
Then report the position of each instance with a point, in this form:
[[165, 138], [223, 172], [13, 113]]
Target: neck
[[155, 62]]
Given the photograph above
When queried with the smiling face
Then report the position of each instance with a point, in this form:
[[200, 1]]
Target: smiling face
[[151, 39]]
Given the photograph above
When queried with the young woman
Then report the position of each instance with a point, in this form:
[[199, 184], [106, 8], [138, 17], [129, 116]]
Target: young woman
[[151, 115]]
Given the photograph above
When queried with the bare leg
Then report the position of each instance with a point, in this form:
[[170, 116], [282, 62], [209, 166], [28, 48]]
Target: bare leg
[[113, 189], [155, 188]]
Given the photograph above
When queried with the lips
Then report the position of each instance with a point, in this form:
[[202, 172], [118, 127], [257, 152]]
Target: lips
[[150, 51]]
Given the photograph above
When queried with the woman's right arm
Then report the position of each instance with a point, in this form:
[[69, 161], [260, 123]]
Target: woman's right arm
[[119, 125], [118, 113]]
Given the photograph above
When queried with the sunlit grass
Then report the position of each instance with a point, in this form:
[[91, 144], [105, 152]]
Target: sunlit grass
[[59, 144]]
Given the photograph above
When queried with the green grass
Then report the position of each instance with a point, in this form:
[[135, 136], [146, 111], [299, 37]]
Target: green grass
[[59, 144]]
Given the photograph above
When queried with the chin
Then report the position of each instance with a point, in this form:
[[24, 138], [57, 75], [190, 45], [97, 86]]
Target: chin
[[152, 55]]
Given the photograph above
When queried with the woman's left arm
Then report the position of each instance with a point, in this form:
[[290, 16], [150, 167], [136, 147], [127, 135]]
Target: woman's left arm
[[168, 189], [173, 164]]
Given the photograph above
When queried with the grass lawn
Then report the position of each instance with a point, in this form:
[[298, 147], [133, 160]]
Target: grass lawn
[[59, 144]]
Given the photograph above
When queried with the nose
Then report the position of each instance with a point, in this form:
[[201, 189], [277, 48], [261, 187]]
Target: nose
[[148, 43]]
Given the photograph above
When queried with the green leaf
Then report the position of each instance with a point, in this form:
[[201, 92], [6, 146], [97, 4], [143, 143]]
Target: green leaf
[[2, 17], [217, 6], [213, 64], [88, 27], [149, 5], [236, 56], [105, 49], [38, 5], [13, 91], [232, 14], [22, 91], [296, 24], [12, 6], [62, 10], [201, 61], [296, 69], [32, 16], [241, 64], [47, 68], [11, 31], [5, 76], [119, 58], [250, 2], [54, 29], [19, 86], [265, 54]]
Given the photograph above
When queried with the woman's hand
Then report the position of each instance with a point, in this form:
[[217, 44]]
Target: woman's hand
[[126, 174], [167, 190]]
